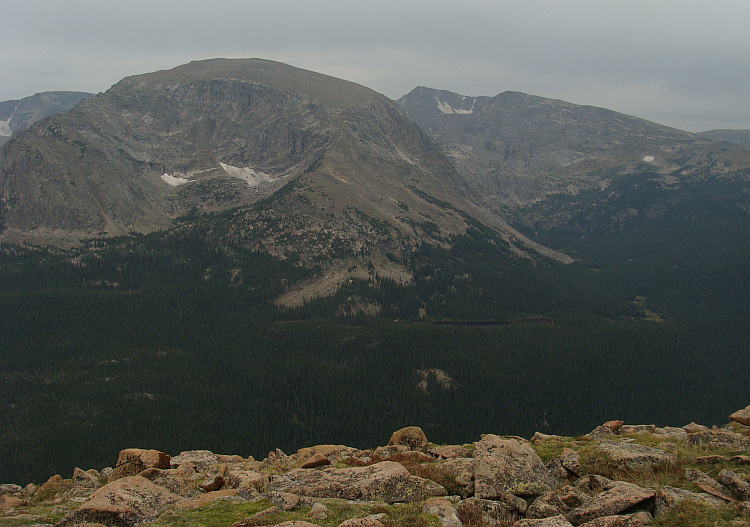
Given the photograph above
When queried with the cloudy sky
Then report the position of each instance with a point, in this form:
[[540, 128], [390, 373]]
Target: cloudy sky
[[682, 63]]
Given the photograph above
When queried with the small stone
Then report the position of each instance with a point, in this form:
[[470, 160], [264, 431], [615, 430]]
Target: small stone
[[317, 460], [318, 511], [213, 485]]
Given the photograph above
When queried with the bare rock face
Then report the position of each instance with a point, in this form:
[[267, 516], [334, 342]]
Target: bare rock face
[[505, 465], [128, 501], [412, 437], [132, 461], [387, 481], [741, 416]]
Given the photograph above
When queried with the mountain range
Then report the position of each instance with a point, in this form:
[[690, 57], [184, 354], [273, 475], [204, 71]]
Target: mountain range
[[238, 241]]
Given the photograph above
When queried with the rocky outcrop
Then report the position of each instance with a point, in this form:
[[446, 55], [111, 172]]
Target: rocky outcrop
[[505, 465], [504, 483], [126, 502], [387, 481], [412, 437], [132, 461], [741, 416]]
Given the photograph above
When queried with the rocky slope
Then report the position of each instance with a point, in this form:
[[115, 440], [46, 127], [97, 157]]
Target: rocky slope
[[17, 115], [516, 149], [741, 137], [617, 475]]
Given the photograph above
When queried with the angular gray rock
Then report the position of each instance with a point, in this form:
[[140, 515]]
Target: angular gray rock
[[201, 458], [132, 461], [553, 521], [620, 497], [633, 456], [487, 512], [386, 481], [445, 511], [505, 465], [667, 497], [735, 483]]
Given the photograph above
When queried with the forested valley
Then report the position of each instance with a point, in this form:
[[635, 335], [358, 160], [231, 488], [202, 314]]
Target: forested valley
[[152, 341]]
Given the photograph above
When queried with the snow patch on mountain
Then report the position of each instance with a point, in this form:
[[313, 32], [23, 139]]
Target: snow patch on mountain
[[246, 174], [174, 181], [5, 130], [448, 109], [648, 159]]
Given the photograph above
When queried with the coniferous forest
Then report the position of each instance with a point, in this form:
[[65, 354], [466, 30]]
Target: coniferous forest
[[152, 341]]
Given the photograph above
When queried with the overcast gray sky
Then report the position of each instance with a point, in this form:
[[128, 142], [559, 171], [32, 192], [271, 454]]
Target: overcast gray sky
[[682, 63]]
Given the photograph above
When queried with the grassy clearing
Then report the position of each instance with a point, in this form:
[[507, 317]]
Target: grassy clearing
[[223, 513]]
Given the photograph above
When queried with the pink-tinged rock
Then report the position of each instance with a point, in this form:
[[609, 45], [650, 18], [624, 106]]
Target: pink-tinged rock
[[637, 457], [205, 499], [488, 512], [125, 502], [505, 465], [316, 460], [133, 461], [741, 416], [667, 497], [386, 481], [736, 484], [445, 511], [620, 497], [411, 436], [553, 521], [10, 502], [361, 522], [449, 451]]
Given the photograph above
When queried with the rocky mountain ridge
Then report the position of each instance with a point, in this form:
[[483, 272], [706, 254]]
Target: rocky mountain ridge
[[617, 475], [17, 115], [515, 149]]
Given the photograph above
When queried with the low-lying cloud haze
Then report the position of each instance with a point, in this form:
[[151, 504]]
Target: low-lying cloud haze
[[681, 63]]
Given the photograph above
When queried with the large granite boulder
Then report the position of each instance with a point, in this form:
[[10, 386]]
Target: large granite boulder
[[387, 481], [133, 461], [412, 437], [667, 497], [123, 503], [200, 458], [741, 416], [475, 511], [445, 511], [632, 456], [618, 498], [506, 465]]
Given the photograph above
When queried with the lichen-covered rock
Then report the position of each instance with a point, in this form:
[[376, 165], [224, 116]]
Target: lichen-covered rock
[[361, 522], [412, 437], [176, 481], [201, 458], [445, 511], [720, 438], [133, 461], [553, 521], [316, 460], [449, 451], [618, 498], [735, 483], [633, 456], [462, 470], [387, 481], [487, 512], [124, 502], [505, 465], [667, 497]]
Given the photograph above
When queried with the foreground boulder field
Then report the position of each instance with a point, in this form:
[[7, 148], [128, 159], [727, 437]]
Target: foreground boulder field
[[618, 475]]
